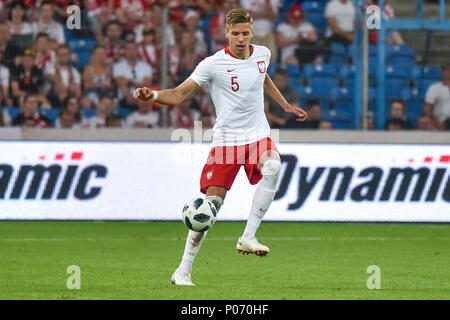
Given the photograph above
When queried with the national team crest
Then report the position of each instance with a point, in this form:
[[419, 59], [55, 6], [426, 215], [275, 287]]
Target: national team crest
[[262, 66]]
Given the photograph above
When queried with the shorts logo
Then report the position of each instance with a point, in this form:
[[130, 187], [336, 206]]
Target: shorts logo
[[209, 175], [262, 66]]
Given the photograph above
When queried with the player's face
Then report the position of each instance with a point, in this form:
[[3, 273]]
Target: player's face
[[239, 36]]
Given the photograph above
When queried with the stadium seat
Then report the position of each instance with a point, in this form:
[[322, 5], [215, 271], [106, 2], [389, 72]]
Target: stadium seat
[[340, 119], [81, 44], [320, 70], [427, 72], [306, 93], [400, 56], [124, 112], [318, 21], [397, 72], [51, 114], [83, 59], [394, 88], [423, 86], [293, 70], [321, 86], [347, 72], [310, 7], [338, 55], [13, 111], [87, 113]]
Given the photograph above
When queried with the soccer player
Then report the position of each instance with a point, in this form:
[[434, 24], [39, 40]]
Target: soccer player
[[237, 80]]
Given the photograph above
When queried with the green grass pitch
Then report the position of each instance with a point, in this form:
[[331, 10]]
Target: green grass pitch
[[135, 260]]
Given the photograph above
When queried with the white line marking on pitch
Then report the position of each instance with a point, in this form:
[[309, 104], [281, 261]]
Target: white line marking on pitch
[[225, 239]]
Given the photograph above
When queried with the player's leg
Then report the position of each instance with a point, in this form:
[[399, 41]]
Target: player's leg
[[182, 275], [269, 165]]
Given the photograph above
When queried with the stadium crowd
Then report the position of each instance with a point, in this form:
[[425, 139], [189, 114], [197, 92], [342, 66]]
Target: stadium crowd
[[51, 76]]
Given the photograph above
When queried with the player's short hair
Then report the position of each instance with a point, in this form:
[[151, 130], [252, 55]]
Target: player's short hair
[[238, 15]]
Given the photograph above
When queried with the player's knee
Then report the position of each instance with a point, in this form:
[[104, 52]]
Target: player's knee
[[271, 167]]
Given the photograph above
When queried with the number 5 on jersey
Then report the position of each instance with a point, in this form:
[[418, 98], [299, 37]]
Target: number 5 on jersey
[[234, 84]]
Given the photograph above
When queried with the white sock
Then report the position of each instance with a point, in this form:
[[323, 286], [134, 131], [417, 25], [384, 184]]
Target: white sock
[[264, 194], [194, 240]]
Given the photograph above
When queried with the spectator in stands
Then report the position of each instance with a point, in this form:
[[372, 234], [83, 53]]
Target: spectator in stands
[[72, 106], [150, 52], [98, 15], [45, 56], [370, 121], [19, 29], [5, 100], [131, 73], [388, 12], [130, 12], [10, 52], [27, 79], [218, 25], [184, 115], [65, 79], [114, 121], [191, 22], [425, 122], [115, 47], [207, 121], [47, 24], [394, 124], [97, 75], [437, 99], [297, 33], [264, 13], [325, 125], [275, 114], [187, 54], [397, 111], [29, 115], [340, 16], [314, 114], [66, 120], [144, 117], [104, 109]]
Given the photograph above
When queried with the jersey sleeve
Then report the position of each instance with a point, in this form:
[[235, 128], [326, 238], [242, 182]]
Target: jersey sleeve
[[203, 72]]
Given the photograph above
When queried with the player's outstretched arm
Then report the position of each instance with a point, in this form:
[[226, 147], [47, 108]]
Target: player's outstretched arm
[[272, 90], [167, 96]]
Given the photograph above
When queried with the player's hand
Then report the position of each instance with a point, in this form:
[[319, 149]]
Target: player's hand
[[144, 94], [299, 112]]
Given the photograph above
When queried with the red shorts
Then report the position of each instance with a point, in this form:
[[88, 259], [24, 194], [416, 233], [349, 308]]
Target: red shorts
[[224, 162]]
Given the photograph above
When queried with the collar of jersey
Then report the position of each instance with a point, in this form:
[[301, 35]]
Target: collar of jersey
[[228, 51]]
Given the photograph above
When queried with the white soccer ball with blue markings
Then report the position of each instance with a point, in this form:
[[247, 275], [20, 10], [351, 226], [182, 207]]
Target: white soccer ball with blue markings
[[199, 214]]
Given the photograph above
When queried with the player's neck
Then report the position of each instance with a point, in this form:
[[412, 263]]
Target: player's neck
[[242, 56]]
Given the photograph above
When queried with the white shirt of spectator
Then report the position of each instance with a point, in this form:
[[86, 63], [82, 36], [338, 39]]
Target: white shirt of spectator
[[96, 122], [123, 69], [77, 125], [54, 29], [150, 119], [50, 69], [4, 76], [438, 94], [170, 34], [236, 88], [261, 27], [27, 28], [291, 32], [344, 13], [196, 116]]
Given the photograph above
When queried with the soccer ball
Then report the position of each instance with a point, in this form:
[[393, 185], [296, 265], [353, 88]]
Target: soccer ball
[[199, 214]]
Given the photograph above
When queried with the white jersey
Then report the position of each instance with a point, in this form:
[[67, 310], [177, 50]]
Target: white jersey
[[237, 91]]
